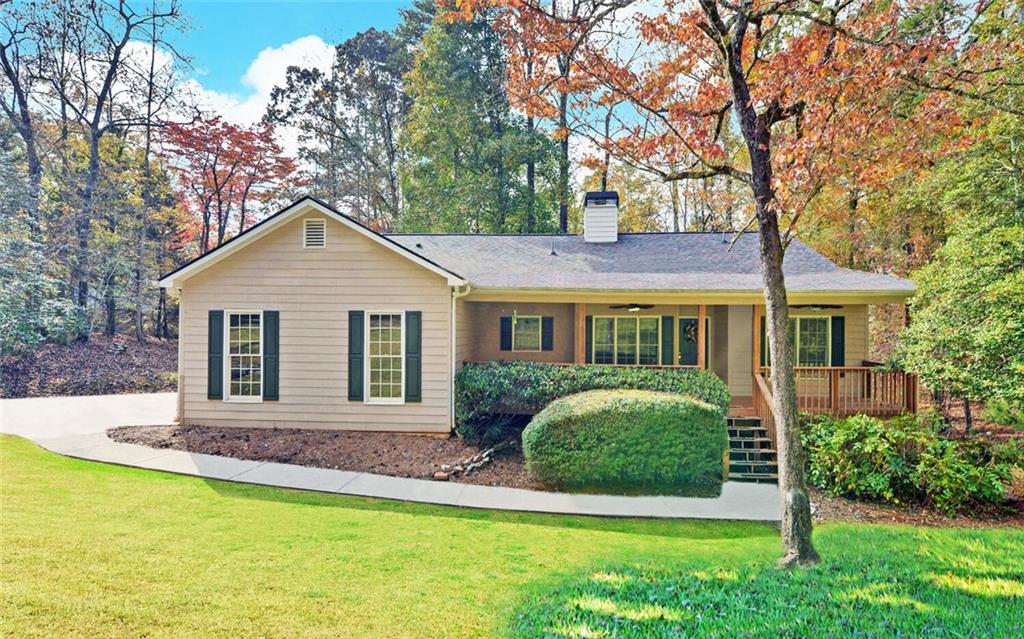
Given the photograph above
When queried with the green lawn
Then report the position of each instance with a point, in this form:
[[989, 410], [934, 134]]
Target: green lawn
[[94, 550]]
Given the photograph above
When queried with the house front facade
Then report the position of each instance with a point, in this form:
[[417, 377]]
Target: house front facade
[[311, 320]]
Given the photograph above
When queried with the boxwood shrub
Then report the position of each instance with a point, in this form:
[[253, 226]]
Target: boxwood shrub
[[907, 460], [627, 441], [491, 398]]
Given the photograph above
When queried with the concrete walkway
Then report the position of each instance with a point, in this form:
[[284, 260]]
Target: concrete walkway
[[76, 426]]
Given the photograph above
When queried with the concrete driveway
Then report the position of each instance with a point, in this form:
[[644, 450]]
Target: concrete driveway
[[42, 418]]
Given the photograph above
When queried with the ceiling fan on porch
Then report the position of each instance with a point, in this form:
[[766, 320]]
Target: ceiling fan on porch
[[632, 308], [817, 307]]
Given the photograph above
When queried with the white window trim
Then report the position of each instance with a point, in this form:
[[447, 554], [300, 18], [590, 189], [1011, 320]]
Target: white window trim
[[382, 401], [615, 338], [828, 340], [540, 334], [242, 399], [305, 223]]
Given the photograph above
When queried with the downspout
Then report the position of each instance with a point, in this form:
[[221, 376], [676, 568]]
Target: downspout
[[457, 292]]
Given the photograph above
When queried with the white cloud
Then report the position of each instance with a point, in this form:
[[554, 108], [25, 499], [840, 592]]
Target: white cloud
[[267, 70]]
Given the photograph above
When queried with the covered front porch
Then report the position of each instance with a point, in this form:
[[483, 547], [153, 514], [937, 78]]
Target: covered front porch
[[834, 373]]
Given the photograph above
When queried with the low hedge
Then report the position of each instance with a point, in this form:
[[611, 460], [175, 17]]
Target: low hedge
[[907, 460], [492, 397], [628, 441]]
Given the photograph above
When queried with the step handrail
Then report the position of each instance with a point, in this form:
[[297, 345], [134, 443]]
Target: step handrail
[[763, 406]]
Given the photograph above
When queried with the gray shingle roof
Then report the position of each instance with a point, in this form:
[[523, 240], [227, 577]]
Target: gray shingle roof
[[638, 261]]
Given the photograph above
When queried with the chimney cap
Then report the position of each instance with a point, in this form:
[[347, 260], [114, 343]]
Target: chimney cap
[[600, 197]]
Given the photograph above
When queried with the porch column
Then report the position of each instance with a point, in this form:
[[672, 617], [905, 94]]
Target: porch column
[[702, 313], [756, 362], [580, 342]]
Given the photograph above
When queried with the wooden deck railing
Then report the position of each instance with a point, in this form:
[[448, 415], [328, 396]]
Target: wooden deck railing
[[848, 390]]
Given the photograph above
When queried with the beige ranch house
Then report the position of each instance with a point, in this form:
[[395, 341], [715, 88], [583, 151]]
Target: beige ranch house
[[309, 319]]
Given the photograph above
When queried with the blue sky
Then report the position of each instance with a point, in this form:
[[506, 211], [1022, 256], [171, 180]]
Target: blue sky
[[226, 36]]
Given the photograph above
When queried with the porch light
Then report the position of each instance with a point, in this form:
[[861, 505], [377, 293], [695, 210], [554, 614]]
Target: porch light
[[635, 308]]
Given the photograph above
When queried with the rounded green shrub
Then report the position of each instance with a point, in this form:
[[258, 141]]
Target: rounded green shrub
[[627, 441]]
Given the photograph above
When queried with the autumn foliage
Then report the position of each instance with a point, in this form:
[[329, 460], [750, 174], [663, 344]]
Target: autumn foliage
[[857, 91], [224, 173]]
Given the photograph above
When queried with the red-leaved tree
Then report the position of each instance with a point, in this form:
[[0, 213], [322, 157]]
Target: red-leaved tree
[[222, 170]]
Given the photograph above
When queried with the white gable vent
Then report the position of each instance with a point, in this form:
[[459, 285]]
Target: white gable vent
[[601, 216], [314, 233]]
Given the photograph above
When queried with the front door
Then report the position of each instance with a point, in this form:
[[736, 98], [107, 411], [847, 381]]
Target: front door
[[688, 340]]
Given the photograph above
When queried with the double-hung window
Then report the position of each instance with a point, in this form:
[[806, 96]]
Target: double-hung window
[[245, 355], [811, 339], [526, 334], [386, 356], [627, 340]]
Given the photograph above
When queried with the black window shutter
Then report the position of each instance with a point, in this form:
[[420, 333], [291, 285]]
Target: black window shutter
[[838, 340], [413, 356], [667, 340], [215, 355], [355, 355], [547, 333], [271, 354], [589, 341], [506, 333]]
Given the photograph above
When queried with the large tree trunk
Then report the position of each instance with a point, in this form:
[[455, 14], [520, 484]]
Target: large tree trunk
[[797, 546], [796, 505]]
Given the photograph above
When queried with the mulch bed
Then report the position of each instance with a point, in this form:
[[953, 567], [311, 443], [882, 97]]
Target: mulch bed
[[396, 454], [403, 455], [831, 508], [101, 366]]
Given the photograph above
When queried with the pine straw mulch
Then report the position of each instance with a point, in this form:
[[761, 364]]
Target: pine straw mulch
[[395, 454], [101, 366]]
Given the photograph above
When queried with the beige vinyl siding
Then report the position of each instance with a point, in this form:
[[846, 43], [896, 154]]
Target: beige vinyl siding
[[314, 290], [741, 343]]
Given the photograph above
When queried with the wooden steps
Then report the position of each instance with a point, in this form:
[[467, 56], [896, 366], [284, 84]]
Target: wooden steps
[[751, 455]]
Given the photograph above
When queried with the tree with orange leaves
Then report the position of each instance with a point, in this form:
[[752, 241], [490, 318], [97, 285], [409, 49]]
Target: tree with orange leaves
[[820, 91]]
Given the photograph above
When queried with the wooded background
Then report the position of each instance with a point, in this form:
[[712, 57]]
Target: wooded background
[[907, 137]]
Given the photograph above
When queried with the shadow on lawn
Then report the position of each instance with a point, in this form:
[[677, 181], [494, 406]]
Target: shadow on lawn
[[688, 529], [875, 582]]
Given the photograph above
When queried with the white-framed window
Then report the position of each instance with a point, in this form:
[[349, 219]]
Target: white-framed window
[[526, 333], [811, 337], [243, 366], [314, 233], [627, 340], [385, 357]]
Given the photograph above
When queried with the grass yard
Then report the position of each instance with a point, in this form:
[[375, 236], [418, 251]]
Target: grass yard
[[94, 550]]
